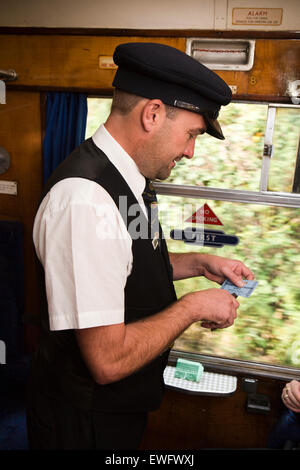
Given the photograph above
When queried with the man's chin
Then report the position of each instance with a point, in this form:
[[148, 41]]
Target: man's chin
[[164, 173], [164, 176]]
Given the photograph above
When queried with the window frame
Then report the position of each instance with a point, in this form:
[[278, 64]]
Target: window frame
[[268, 145]]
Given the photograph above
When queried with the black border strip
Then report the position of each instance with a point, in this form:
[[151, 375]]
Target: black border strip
[[183, 33]]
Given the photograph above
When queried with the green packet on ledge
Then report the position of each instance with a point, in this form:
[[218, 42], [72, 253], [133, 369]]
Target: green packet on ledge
[[188, 370]]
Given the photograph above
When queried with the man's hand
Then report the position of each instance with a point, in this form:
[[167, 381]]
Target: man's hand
[[215, 268], [291, 396], [215, 308]]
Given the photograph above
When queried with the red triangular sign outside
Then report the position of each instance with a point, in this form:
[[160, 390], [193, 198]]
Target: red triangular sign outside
[[205, 216]]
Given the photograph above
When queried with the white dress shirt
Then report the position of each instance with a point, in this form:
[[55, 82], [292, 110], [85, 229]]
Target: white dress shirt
[[83, 244]]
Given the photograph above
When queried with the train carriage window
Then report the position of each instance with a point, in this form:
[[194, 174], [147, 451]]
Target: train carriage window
[[98, 111], [234, 163], [251, 182], [284, 153], [268, 324]]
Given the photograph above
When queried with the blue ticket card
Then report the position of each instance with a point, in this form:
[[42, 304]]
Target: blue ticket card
[[244, 291]]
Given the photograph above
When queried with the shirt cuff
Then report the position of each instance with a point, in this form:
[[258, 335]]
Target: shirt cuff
[[86, 320]]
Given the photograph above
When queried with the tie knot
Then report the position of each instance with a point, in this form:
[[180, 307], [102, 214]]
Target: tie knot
[[149, 194]]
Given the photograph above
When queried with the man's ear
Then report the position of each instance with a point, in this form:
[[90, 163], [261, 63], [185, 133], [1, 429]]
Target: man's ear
[[153, 114]]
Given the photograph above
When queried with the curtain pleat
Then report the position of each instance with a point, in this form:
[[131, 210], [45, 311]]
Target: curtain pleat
[[66, 116]]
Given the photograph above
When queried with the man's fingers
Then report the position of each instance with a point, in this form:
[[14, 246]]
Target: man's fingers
[[225, 324], [233, 277], [238, 273]]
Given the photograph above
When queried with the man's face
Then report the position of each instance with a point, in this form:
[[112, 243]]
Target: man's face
[[173, 141]]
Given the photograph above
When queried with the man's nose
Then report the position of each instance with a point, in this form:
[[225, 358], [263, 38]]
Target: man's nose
[[190, 149]]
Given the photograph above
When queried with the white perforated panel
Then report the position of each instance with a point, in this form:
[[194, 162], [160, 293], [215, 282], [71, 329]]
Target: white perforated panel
[[210, 383]]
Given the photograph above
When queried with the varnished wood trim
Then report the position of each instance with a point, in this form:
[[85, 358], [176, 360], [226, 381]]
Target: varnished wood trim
[[263, 98], [96, 92], [107, 93]]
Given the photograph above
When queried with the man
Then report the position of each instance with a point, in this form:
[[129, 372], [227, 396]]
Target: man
[[111, 310]]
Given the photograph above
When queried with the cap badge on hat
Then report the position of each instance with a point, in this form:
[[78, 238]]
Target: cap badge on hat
[[195, 109], [187, 106]]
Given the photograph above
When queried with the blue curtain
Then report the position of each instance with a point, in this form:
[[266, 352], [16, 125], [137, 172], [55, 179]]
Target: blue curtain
[[66, 116]]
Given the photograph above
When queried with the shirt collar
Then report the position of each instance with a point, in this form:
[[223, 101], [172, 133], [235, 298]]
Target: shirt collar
[[121, 160]]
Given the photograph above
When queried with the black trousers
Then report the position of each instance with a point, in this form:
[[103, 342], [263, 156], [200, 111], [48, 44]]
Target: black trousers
[[55, 424]]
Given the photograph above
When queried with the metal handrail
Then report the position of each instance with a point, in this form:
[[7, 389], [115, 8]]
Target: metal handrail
[[237, 366]]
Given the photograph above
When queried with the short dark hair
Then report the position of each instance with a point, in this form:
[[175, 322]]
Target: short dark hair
[[123, 103]]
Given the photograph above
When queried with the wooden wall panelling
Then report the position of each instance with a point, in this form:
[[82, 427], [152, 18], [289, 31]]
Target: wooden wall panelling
[[72, 62], [20, 135], [237, 79], [186, 421], [276, 62], [64, 61]]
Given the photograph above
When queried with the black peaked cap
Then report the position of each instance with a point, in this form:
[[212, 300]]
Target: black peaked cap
[[158, 71]]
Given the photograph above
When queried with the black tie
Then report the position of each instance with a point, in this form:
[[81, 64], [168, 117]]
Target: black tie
[[150, 200]]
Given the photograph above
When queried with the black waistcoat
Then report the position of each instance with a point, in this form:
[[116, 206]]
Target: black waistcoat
[[58, 368]]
